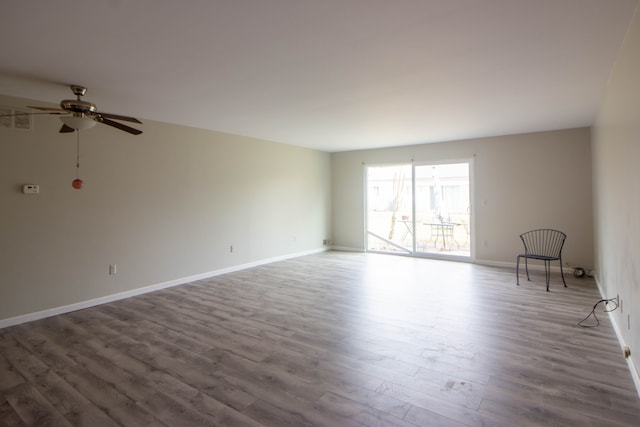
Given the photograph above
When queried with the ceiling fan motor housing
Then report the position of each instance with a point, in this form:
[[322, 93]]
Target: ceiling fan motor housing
[[78, 105]]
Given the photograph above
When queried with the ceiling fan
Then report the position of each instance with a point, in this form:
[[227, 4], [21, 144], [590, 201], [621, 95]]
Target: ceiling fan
[[77, 114]]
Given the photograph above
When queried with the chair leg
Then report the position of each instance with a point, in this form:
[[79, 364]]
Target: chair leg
[[526, 267], [518, 270], [547, 273], [562, 273]]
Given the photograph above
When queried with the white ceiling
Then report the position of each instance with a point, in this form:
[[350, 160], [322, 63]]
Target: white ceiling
[[327, 74]]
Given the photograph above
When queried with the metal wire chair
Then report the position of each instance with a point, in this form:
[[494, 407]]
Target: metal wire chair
[[544, 245]]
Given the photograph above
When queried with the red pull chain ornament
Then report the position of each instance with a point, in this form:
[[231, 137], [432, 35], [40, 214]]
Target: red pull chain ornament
[[77, 183]]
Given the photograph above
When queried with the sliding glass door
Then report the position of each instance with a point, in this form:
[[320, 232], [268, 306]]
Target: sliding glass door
[[443, 209], [390, 208], [420, 209]]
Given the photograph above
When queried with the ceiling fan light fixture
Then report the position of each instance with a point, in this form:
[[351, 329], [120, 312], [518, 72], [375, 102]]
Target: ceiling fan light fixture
[[78, 122]]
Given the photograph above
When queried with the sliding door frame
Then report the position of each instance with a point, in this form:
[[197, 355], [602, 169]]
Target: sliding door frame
[[413, 250]]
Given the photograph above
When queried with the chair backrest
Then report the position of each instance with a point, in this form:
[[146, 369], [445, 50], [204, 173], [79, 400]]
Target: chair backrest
[[545, 242]]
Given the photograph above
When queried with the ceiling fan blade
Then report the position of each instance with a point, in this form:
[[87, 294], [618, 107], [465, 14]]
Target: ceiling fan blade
[[32, 114], [47, 109], [119, 126], [66, 129], [117, 117]]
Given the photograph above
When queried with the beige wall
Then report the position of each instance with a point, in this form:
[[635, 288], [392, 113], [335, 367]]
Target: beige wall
[[520, 182], [163, 205], [616, 161]]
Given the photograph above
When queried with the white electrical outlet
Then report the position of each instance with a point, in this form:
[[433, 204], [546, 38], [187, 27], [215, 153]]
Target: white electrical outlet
[[113, 269], [31, 189]]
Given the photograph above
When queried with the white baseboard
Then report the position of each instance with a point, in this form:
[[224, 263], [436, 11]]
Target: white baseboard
[[532, 267], [29, 317], [346, 249], [630, 362]]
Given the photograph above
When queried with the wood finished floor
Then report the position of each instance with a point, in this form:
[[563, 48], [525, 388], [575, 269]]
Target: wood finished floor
[[333, 339]]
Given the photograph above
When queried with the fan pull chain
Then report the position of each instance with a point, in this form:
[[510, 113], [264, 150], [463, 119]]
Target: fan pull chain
[[77, 154], [77, 183]]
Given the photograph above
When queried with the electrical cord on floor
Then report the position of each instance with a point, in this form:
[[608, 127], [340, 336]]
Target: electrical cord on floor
[[580, 272], [593, 312]]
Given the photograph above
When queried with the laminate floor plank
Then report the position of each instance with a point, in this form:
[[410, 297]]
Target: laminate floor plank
[[331, 339], [371, 412], [8, 416], [10, 376], [199, 373], [299, 414], [33, 408], [91, 400]]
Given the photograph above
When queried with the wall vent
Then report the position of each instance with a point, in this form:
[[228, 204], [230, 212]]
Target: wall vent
[[15, 118]]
